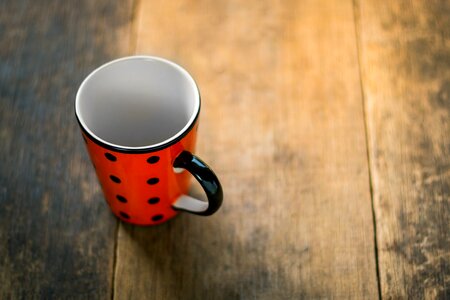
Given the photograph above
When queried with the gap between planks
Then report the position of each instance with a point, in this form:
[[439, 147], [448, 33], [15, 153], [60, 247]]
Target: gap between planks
[[355, 5]]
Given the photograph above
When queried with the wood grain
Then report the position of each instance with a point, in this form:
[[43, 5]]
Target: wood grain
[[282, 125], [405, 59], [56, 233]]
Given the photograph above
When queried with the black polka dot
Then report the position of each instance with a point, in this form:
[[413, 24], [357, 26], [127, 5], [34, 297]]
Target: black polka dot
[[110, 157], [115, 179], [121, 199], [124, 215], [153, 180], [153, 159], [156, 218], [153, 200]]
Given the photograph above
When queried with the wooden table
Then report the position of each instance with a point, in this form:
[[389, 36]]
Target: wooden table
[[327, 122]]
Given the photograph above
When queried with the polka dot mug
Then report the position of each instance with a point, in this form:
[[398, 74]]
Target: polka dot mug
[[139, 118]]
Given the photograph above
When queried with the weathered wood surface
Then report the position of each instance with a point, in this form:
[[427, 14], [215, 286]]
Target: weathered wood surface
[[282, 124], [405, 60], [56, 233]]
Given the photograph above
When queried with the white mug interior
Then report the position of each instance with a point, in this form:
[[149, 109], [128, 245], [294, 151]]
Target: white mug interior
[[137, 102]]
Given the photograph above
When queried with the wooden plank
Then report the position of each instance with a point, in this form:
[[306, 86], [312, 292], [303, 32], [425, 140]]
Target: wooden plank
[[405, 58], [282, 125], [57, 235]]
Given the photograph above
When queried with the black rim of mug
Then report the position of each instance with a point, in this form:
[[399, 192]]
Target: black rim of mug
[[150, 148]]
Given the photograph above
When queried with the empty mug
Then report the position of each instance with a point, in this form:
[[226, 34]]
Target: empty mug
[[139, 119]]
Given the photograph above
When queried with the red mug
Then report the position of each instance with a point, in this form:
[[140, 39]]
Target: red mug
[[139, 118]]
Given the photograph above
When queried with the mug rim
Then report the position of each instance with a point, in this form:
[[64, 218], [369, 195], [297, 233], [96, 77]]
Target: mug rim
[[147, 148]]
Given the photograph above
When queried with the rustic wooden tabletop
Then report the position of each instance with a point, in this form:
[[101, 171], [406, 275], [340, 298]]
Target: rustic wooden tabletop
[[328, 123]]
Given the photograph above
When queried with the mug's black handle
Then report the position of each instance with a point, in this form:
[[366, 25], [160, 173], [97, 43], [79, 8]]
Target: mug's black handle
[[207, 179]]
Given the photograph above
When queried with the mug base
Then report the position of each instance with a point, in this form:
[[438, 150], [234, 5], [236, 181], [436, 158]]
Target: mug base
[[152, 222]]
